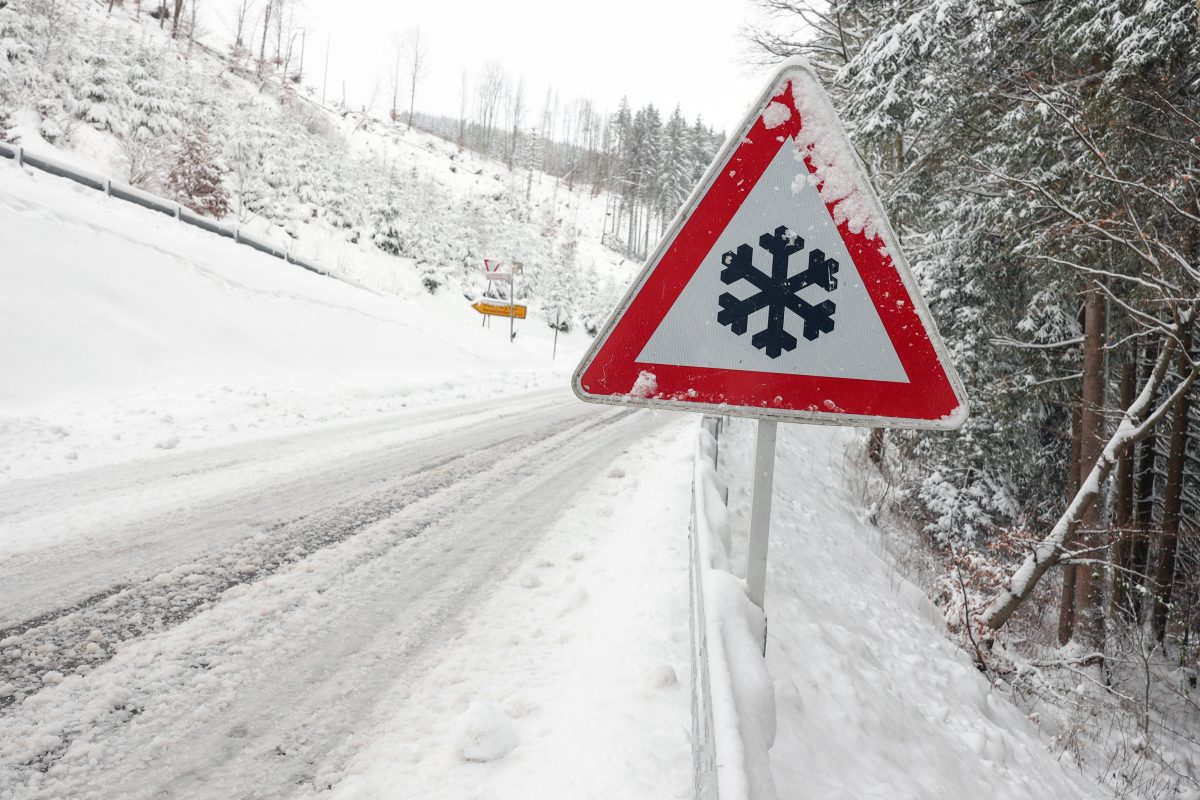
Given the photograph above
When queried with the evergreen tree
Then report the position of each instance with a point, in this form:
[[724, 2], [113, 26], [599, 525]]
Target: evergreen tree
[[195, 179]]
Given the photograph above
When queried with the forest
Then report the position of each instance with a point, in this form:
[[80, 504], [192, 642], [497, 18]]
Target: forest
[[1040, 163]]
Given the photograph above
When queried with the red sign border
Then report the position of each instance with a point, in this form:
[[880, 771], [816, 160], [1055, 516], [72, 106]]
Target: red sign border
[[933, 397]]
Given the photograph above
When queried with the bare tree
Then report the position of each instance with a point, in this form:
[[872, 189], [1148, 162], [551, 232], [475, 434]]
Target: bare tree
[[416, 52], [266, 26], [489, 90], [398, 53], [515, 113], [242, 12], [462, 111], [191, 32]]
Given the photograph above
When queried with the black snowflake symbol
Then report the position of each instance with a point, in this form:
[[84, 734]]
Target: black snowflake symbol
[[777, 292]]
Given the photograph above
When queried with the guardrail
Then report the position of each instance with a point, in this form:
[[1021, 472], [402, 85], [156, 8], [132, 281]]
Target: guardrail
[[733, 701], [132, 194]]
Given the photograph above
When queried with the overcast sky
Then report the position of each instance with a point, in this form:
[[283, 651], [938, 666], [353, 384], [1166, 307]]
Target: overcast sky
[[660, 51]]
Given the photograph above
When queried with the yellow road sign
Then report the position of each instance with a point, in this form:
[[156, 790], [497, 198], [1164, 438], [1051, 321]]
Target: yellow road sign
[[498, 310]]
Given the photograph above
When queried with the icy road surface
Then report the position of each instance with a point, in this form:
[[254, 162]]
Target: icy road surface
[[406, 606]]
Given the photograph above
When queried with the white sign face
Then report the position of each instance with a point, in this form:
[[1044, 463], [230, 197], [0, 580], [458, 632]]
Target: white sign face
[[780, 290], [505, 277], [858, 347]]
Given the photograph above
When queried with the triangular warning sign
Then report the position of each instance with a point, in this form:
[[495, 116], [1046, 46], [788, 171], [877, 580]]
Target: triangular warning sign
[[780, 290]]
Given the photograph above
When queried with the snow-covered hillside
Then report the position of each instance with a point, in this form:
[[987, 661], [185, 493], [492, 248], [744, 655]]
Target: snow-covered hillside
[[126, 333], [363, 198]]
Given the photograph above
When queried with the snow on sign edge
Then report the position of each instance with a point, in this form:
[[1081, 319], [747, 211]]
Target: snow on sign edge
[[860, 200]]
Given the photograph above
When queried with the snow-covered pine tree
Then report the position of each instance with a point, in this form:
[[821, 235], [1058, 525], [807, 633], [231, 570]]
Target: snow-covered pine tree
[[560, 281], [195, 177], [675, 178], [103, 97], [383, 217], [155, 105], [243, 155]]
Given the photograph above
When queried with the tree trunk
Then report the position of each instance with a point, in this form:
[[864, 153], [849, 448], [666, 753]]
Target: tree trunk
[[262, 50], [875, 446], [1066, 605], [1089, 578], [1164, 570], [396, 84], [1144, 508], [1121, 600]]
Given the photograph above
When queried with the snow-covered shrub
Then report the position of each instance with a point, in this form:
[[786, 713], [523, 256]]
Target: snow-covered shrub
[[143, 159], [55, 123], [6, 128]]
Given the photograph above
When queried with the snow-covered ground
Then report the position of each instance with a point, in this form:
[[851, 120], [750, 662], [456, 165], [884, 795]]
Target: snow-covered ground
[[873, 700], [266, 534], [263, 533], [462, 611]]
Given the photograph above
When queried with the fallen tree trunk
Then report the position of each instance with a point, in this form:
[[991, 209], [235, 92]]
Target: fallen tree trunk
[[1135, 425]]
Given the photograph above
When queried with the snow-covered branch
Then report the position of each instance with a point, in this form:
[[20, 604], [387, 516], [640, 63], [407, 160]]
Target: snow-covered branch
[[1136, 424]]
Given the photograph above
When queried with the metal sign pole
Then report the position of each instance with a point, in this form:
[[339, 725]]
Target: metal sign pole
[[487, 293], [760, 512], [554, 352], [512, 305]]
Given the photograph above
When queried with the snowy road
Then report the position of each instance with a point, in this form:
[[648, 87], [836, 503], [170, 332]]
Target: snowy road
[[225, 623]]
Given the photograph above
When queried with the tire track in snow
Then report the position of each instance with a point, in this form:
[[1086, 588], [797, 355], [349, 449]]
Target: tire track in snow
[[77, 536], [78, 638], [258, 692]]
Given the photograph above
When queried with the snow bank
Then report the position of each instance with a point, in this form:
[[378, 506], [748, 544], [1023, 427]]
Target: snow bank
[[733, 702], [874, 701]]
